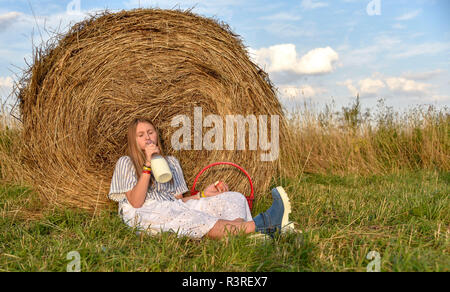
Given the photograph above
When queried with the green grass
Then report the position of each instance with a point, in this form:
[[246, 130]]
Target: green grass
[[405, 217]]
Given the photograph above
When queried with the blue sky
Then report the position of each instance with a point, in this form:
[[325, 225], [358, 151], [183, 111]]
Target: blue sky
[[313, 50]]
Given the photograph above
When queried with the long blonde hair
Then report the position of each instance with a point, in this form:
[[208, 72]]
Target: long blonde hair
[[133, 150]]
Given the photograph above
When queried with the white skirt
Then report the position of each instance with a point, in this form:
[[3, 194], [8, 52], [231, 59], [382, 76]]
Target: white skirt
[[194, 218]]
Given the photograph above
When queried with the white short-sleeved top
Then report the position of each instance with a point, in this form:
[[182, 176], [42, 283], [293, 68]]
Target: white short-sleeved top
[[125, 178]]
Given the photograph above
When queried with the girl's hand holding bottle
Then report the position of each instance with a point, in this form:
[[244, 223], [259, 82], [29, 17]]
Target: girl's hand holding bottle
[[150, 149]]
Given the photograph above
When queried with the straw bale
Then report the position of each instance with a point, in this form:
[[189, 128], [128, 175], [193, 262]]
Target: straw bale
[[85, 87]]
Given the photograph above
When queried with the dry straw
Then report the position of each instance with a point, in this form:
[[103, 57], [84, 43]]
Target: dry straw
[[82, 91]]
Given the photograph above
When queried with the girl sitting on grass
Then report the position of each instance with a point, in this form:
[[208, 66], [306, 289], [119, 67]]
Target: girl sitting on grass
[[152, 206]]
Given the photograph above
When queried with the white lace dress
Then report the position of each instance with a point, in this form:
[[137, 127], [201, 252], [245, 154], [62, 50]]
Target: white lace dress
[[161, 211]]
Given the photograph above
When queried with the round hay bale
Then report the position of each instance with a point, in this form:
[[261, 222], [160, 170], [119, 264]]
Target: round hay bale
[[82, 91]]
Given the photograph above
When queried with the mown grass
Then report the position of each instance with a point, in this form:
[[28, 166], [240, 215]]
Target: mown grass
[[405, 217]]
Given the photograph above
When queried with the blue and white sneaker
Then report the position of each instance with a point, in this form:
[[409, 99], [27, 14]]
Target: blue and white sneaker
[[277, 216]]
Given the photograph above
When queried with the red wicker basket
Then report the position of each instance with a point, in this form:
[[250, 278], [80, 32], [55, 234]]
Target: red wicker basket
[[249, 198]]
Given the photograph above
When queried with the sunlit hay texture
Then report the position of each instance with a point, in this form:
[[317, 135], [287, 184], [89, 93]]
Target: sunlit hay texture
[[82, 91]]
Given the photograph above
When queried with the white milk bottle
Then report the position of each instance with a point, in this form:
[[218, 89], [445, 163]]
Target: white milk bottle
[[160, 168]]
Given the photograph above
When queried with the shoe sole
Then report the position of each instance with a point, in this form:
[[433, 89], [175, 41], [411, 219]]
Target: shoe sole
[[286, 204]]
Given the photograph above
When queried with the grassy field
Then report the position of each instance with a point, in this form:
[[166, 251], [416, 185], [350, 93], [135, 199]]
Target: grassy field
[[404, 217], [359, 183]]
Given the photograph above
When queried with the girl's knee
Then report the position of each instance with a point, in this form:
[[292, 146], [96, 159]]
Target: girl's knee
[[235, 195], [241, 197]]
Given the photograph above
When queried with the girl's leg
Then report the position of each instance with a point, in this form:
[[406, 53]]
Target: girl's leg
[[224, 227], [226, 206]]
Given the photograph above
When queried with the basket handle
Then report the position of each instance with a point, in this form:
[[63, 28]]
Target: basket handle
[[249, 198]]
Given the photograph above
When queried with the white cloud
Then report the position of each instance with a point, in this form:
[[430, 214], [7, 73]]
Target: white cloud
[[9, 16], [6, 82], [400, 84], [374, 86], [6, 85], [349, 84], [8, 19], [293, 92], [284, 57], [409, 15], [309, 91], [312, 4], [365, 87], [318, 61], [370, 86], [289, 91]]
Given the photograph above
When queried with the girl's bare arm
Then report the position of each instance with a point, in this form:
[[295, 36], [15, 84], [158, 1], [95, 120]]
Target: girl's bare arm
[[185, 199], [137, 195]]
